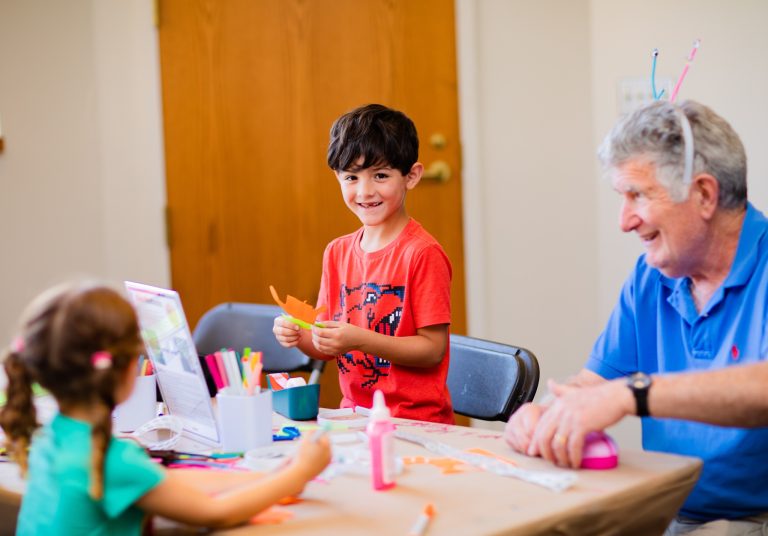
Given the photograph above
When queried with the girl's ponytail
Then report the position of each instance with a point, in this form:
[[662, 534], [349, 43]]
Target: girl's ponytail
[[18, 418]]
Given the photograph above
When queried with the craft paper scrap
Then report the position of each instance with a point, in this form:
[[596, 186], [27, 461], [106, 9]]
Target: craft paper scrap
[[299, 311]]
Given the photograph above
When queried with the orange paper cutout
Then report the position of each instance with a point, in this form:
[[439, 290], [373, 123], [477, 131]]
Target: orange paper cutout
[[274, 515], [447, 465], [450, 465], [490, 454], [297, 309]]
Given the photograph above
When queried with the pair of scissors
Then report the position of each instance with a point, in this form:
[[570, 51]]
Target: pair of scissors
[[287, 433]]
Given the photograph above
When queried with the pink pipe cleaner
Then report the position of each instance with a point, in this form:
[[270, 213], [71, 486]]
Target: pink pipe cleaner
[[691, 56]]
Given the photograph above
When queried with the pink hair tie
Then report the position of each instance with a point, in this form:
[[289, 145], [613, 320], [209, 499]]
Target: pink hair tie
[[17, 346], [101, 360]]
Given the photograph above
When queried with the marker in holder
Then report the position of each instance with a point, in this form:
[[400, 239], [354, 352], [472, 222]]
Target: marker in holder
[[245, 422]]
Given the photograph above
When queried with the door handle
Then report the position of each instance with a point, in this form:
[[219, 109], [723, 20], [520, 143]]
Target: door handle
[[439, 171]]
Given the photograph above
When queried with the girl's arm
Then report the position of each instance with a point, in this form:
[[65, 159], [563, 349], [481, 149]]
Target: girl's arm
[[212, 483], [183, 497]]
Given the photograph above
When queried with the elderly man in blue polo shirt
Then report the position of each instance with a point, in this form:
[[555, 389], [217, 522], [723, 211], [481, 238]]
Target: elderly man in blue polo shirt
[[686, 345]]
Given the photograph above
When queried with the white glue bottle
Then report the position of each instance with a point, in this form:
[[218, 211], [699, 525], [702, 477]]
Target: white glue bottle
[[381, 441]]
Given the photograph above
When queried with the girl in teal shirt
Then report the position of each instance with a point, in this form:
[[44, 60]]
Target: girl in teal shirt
[[82, 343]]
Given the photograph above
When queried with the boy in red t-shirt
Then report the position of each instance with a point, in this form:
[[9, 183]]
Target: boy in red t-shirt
[[386, 286]]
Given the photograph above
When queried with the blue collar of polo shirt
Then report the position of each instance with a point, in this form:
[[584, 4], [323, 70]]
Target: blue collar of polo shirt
[[754, 227]]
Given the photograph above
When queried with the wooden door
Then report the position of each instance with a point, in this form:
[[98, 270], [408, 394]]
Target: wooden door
[[250, 89]]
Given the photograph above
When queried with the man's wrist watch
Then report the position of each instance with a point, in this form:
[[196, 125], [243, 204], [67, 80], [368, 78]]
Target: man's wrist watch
[[640, 383]]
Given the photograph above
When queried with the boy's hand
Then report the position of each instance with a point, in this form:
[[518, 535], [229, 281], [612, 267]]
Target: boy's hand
[[313, 457], [337, 338], [286, 332]]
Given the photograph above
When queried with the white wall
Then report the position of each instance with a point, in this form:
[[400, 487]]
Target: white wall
[[126, 58], [81, 179], [529, 187]]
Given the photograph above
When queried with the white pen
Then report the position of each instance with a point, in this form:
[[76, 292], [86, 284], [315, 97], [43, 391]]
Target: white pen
[[419, 528]]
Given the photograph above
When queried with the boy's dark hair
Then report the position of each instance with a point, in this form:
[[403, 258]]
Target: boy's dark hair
[[380, 135]]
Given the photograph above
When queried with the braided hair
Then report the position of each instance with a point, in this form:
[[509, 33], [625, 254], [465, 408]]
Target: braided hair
[[60, 333]]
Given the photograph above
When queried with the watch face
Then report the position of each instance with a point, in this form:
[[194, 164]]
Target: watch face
[[639, 380]]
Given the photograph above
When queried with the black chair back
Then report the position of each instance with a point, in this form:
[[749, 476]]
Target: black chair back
[[240, 325], [489, 380]]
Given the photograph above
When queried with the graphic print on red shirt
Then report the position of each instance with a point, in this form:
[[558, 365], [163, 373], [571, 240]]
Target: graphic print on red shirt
[[378, 308], [394, 291]]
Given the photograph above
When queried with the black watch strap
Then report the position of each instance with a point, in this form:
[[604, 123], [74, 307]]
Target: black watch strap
[[640, 383], [641, 401]]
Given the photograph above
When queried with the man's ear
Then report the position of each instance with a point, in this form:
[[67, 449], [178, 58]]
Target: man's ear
[[414, 175], [707, 191]]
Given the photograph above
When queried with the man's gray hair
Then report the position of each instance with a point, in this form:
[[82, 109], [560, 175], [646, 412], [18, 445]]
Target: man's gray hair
[[654, 132]]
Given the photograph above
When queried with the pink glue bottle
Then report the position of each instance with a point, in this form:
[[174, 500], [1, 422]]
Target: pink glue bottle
[[381, 441]]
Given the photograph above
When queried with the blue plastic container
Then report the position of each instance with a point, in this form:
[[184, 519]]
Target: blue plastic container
[[297, 403]]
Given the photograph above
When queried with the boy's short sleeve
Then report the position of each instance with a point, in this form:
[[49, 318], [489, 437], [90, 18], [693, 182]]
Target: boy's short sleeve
[[430, 288], [129, 474]]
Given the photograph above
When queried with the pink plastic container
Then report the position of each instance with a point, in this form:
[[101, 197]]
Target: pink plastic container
[[381, 441], [600, 452]]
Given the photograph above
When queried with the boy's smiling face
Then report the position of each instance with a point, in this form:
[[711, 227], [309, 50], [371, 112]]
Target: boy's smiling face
[[376, 195]]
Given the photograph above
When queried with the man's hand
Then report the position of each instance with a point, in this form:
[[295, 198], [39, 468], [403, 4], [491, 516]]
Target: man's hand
[[524, 422], [521, 425], [576, 411]]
